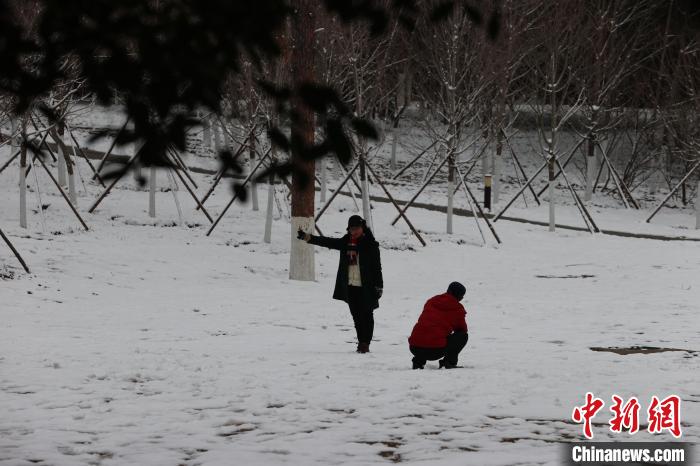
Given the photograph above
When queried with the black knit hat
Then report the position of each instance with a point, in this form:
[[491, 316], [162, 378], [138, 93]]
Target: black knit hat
[[355, 221], [457, 290]]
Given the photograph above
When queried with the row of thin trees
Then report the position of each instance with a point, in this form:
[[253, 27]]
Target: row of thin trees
[[624, 76], [620, 78]]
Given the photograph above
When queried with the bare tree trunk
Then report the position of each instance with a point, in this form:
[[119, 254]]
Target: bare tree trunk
[[72, 191], [268, 214], [62, 164], [364, 184], [591, 168], [227, 136], [137, 173], [496, 189], [206, 135], [253, 184], [552, 142], [216, 128], [400, 103], [15, 138], [64, 155], [61, 168], [252, 117], [324, 180], [697, 207], [450, 192], [684, 195], [485, 162], [550, 167], [22, 178], [301, 260], [152, 193], [394, 143]]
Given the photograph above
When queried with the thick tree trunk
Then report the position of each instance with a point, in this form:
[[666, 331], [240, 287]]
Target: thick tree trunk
[[301, 261]]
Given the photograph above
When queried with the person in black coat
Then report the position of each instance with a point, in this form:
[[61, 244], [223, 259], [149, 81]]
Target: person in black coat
[[359, 279]]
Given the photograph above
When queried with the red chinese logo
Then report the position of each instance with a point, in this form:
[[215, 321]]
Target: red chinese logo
[[665, 415], [626, 416], [662, 415], [587, 412]]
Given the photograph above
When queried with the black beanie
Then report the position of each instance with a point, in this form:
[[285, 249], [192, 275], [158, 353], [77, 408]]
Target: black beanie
[[355, 221], [457, 290]]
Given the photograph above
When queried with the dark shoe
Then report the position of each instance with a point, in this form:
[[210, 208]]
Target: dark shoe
[[363, 347], [447, 365], [418, 364]]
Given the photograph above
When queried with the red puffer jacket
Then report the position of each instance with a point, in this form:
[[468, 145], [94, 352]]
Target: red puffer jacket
[[442, 314]]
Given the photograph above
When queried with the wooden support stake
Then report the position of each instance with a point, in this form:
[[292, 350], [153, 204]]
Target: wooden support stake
[[415, 196], [113, 183], [65, 196], [697, 164], [14, 251], [109, 151], [402, 214], [233, 199], [474, 201]]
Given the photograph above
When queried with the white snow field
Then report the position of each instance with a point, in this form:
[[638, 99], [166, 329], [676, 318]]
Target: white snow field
[[145, 342]]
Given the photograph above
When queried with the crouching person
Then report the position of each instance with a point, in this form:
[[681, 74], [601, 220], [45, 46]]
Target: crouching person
[[441, 330]]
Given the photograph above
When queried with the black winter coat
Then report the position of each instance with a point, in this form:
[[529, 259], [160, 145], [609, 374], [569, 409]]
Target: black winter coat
[[370, 266]]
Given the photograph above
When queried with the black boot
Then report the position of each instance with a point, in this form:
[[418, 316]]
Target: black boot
[[363, 347], [418, 364], [446, 365]]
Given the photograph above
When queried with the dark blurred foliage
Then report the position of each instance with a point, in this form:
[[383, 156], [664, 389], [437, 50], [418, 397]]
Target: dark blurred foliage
[[167, 59]]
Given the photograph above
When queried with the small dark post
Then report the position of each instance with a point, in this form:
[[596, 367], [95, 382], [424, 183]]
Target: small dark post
[[487, 191]]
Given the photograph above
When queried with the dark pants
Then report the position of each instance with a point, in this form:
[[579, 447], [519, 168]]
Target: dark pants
[[455, 343], [361, 315]]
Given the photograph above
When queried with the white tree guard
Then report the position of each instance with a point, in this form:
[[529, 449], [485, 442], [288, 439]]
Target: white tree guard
[[23, 197], [552, 226], [268, 214], [301, 257]]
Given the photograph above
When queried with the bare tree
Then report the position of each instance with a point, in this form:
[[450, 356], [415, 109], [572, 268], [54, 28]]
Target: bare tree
[[301, 265]]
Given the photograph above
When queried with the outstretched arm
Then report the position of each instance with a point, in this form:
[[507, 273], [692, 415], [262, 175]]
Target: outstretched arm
[[326, 242]]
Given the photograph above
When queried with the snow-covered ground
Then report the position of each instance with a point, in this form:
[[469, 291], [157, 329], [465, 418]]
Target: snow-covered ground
[[146, 342]]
